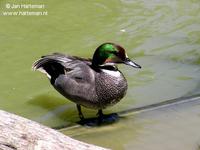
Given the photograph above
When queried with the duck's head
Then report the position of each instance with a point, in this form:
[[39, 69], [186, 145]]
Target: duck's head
[[111, 53]]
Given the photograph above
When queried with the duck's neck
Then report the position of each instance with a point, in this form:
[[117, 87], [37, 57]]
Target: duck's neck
[[95, 64], [109, 67], [97, 60]]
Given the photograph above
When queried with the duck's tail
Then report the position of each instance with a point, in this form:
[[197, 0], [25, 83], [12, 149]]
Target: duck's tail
[[51, 65]]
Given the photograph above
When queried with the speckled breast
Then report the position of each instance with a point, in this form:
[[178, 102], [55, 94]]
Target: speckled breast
[[110, 89]]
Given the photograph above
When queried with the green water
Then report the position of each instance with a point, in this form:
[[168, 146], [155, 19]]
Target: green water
[[162, 36]]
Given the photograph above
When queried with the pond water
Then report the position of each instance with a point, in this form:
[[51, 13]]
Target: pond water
[[163, 36]]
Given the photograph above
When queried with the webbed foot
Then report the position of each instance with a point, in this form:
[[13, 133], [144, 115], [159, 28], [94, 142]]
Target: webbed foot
[[107, 119], [102, 119]]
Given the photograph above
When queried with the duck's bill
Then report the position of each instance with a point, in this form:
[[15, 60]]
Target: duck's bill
[[131, 63]]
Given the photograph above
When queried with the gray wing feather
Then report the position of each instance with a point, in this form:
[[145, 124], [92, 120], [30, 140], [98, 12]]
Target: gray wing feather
[[78, 84]]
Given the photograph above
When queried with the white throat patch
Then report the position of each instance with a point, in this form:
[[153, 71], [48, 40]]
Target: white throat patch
[[112, 72]]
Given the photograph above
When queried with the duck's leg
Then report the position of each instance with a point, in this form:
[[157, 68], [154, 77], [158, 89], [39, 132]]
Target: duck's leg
[[103, 119], [80, 112], [100, 115]]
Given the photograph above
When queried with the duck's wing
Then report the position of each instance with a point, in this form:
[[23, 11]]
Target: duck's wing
[[78, 85], [71, 76]]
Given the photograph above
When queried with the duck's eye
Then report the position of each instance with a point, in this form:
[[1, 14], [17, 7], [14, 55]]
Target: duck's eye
[[115, 53]]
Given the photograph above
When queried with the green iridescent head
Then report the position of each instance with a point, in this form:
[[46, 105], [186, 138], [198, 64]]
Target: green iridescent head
[[111, 53]]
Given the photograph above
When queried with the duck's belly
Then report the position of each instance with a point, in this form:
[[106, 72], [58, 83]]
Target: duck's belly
[[105, 91]]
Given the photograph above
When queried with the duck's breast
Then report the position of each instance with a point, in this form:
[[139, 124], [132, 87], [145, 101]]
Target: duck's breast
[[111, 87]]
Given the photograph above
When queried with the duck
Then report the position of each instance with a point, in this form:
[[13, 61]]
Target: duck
[[95, 83]]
